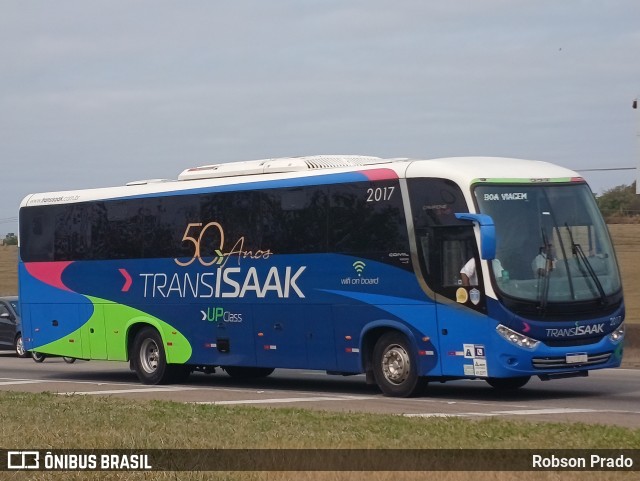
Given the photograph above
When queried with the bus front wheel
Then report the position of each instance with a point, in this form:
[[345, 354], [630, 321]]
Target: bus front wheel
[[395, 368], [148, 357]]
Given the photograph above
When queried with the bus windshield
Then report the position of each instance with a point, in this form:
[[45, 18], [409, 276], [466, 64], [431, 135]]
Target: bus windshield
[[552, 243]]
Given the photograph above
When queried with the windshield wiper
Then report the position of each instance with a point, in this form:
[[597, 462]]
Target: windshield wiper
[[544, 295], [577, 251]]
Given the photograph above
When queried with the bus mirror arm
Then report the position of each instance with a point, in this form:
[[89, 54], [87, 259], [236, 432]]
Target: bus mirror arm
[[487, 233]]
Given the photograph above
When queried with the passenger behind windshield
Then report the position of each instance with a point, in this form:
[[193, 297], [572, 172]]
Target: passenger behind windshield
[[544, 262]]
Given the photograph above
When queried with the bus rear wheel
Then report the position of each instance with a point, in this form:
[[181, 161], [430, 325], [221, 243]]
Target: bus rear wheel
[[395, 368], [508, 383], [149, 359], [37, 356]]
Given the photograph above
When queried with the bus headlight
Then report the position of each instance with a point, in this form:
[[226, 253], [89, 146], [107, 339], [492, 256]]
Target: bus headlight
[[517, 338], [618, 334]]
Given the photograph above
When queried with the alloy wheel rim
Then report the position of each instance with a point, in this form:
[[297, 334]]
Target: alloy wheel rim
[[149, 355], [396, 364]]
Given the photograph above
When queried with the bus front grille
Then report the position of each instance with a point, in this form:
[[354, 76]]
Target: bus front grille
[[561, 361]]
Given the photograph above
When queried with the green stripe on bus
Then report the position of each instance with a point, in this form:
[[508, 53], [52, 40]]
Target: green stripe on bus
[[114, 321], [532, 180]]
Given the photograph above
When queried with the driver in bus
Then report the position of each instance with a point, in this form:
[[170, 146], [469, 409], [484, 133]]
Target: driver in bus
[[469, 275]]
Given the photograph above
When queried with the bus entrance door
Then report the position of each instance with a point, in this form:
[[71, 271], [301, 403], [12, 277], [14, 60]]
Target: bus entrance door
[[460, 302]]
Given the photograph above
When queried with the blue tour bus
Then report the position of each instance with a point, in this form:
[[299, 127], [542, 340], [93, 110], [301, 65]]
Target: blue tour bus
[[347, 264]]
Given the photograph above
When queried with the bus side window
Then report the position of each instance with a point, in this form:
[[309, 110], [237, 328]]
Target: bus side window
[[37, 229], [444, 251], [455, 254], [37, 225], [458, 248], [294, 220], [425, 249]]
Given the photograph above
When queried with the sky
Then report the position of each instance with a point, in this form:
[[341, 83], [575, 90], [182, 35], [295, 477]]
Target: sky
[[100, 93]]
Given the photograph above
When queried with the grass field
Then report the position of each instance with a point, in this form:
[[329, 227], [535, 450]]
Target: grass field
[[50, 421], [626, 238], [8, 270]]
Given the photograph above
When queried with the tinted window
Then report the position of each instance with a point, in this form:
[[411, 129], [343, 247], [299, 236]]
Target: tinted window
[[434, 202], [37, 226], [295, 220], [367, 219], [16, 307], [364, 219]]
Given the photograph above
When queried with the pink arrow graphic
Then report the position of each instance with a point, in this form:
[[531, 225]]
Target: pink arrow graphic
[[127, 279], [527, 327]]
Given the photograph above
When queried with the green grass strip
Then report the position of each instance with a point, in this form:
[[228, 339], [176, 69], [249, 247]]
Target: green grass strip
[[51, 421]]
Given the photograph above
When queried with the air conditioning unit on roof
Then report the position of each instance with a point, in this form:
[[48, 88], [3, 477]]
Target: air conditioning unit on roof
[[272, 166]]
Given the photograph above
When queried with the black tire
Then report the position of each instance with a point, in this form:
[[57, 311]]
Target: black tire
[[395, 366], [69, 360], [37, 356], [241, 372], [148, 357], [18, 345], [508, 383]]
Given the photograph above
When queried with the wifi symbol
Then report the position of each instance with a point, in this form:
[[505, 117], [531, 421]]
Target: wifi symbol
[[359, 267]]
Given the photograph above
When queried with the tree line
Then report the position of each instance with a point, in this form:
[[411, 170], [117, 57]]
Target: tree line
[[620, 204], [10, 240]]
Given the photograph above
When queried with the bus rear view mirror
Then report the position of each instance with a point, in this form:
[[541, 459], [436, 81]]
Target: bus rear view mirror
[[487, 233]]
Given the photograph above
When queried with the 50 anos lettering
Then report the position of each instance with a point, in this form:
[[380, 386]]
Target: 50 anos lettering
[[218, 256]]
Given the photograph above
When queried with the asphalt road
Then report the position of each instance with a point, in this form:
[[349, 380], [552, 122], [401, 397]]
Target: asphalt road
[[605, 397]]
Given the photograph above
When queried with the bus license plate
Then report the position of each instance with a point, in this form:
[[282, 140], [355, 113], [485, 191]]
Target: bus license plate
[[576, 358]]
